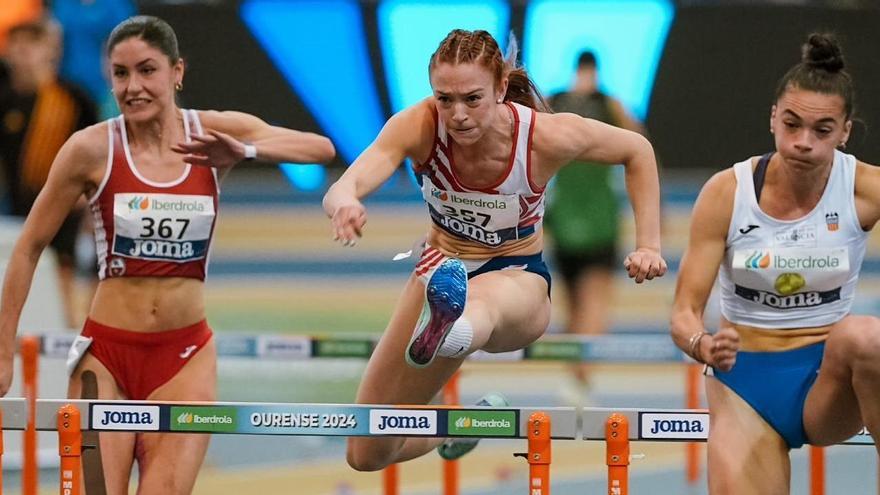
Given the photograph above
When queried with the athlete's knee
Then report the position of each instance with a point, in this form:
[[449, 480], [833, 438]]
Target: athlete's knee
[[164, 485], [362, 458], [856, 339], [482, 314]]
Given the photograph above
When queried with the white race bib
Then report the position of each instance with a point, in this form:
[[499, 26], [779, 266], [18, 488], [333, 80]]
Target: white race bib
[[487, 219], [165, 227], [788, 278]]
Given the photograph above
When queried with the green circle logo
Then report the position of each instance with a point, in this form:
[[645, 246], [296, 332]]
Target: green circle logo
[[789, 283]]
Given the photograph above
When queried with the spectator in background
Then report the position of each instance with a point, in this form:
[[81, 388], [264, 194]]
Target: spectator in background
[[582, 214], [38, 112], [15, 12], [86, 25]]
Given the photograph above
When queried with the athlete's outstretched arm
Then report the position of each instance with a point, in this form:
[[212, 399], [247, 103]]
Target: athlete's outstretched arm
[[68, 180], [227, 134], [401, 136], [696, 276], [565, 137]]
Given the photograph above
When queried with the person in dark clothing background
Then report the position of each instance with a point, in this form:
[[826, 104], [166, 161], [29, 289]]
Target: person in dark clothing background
[[582, 217], [38, 112]]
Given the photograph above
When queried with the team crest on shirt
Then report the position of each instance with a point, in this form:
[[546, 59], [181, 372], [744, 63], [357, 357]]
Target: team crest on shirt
[[832, 221], [117, 267], [800, 236]]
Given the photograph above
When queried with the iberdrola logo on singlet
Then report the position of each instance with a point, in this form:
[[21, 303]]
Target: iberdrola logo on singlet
[[790, 278]]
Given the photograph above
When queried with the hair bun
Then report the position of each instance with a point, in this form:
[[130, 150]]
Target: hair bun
[[822, 51]]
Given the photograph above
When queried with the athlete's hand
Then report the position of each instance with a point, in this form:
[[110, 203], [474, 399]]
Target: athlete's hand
[[215, 149], [644, 264], [719, 351], [348, 223]]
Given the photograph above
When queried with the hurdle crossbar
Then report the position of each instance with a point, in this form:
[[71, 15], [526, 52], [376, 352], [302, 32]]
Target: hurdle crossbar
[[294, 419], [668, 425], [613, 348]]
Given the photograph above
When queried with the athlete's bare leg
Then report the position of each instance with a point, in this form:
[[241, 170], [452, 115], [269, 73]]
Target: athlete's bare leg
[[117, 449], [169, 463], [511, 300], [844, 397], [745, 454]]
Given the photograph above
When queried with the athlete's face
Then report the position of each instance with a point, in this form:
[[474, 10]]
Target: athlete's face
[[143, 79], [807, 126], [466, 97]]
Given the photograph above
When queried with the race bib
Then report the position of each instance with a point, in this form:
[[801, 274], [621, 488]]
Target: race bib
[[487, 219], [787, 278], [163, 227]]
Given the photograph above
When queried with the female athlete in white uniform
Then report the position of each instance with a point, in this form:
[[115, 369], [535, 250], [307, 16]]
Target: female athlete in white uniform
[[484, 152], [789, 365]]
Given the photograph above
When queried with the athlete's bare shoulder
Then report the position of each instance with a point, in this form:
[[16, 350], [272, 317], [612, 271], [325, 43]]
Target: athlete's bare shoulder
[[88, 147], [412, 130], [422, 114], [867, 194], [866, 172], [714, 207], [721, 186]]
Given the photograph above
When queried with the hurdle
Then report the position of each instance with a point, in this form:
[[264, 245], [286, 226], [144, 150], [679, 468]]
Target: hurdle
[[70, 417], [539, 426], [665, 425], [614, 348]]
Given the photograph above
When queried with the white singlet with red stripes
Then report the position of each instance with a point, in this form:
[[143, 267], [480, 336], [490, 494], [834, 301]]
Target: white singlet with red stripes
[[511, 209]]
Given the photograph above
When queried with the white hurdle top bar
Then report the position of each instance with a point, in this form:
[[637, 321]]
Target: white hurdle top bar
[[254, 418], [653, 348]]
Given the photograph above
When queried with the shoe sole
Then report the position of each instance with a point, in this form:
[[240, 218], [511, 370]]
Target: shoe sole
[[445, 296]]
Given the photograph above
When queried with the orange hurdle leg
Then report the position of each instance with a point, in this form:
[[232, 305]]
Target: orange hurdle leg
[[450, 468], [70, 449], [617, 454], [692, 449], [30, 349], [1, 451], [390, 480], [817, 470], [539, 454]]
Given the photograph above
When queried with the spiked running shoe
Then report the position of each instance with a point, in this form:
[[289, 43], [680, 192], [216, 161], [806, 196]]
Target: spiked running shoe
[[445, 295], [453, 448]]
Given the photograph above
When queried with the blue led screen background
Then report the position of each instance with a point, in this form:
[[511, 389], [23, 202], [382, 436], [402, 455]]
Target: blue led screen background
[[702, 77]]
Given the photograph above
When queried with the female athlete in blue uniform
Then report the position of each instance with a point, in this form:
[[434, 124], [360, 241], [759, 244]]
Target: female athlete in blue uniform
[[789, 364]]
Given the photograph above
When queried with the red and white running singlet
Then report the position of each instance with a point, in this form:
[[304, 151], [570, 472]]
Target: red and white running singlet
[[145, 228], [513, 208]]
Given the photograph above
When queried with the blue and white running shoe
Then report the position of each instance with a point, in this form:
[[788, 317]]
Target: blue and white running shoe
[[445, 296], [453, 448]]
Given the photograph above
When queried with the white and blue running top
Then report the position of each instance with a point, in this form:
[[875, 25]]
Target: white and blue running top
[[792, 273]]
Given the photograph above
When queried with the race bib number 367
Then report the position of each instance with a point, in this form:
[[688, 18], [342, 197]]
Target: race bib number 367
[[167, 227]]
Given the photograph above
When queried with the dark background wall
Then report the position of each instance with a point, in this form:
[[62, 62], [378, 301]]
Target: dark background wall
[[712, 95], [711, 101]]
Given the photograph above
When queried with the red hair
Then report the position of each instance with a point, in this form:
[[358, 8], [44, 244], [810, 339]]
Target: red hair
[[479, 47]]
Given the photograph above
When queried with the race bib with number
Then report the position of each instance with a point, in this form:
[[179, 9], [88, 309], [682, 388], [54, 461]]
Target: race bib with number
[[487, 219], [166, 227]]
